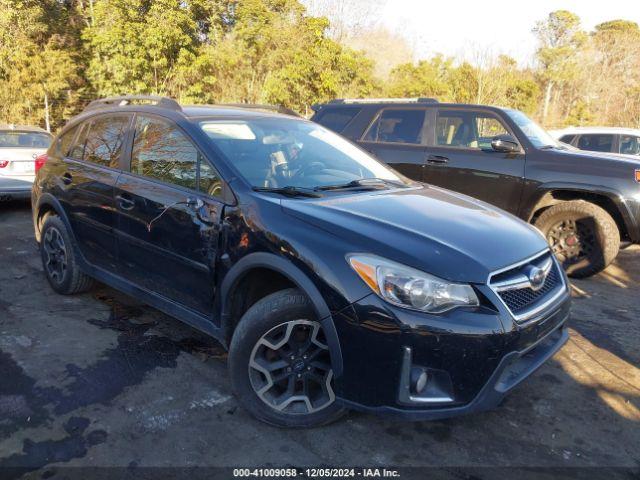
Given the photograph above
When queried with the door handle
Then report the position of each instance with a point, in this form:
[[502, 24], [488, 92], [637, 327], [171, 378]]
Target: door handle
[[125, 203], [67, 178], [437, 159]]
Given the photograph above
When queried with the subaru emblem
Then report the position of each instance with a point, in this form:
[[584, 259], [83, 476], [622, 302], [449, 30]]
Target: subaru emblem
[[537, 277]]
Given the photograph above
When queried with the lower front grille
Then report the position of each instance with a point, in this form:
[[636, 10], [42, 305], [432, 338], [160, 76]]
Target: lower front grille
[[526, 288]]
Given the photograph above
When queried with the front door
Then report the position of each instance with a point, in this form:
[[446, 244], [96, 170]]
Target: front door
[[169, 216], [462, 159]]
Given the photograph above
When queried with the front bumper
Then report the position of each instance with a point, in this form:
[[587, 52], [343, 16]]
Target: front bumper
[[481, 359]]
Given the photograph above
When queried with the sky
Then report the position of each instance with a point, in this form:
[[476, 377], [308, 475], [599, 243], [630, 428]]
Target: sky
[[465, 28]]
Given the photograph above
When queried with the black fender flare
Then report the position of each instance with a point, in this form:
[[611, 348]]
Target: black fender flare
[[296, 276], [618, 200], [51, 201]]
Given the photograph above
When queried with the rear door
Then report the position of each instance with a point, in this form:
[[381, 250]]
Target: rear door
[[397, 136], [461, 158], [87, 177], [169, 215]]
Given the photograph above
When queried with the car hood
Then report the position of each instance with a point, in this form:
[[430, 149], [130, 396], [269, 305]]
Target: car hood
[[438, 231], [601, 156]]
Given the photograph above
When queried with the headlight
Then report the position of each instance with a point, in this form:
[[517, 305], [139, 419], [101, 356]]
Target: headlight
[[410, 288]]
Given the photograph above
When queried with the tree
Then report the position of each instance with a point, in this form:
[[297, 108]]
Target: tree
[[560, 36], [38, 65]]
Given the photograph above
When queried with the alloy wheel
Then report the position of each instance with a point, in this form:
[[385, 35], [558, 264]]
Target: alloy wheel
[[290, 368], [572, 240], [55, 254]]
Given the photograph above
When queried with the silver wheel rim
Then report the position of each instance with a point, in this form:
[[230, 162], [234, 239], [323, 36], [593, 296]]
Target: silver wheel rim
[[290, 368], [55, 253]]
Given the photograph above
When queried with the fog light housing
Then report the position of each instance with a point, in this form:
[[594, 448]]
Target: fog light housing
[[419, 379], [423, 385]]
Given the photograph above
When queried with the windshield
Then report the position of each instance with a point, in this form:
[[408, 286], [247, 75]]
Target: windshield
[[537, 135], [14, 139], [277, 153]]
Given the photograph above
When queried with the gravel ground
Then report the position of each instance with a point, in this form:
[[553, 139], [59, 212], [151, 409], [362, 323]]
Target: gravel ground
[[101, 380]]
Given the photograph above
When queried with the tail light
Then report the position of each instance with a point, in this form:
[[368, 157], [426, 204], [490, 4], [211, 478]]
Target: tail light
[[4, 163], [40, 161]]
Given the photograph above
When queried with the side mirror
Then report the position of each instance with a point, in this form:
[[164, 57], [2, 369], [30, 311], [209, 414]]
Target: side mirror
[[505, 144]]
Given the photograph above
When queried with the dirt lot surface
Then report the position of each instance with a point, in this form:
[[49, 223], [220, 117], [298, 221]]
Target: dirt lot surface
[[98, 379]]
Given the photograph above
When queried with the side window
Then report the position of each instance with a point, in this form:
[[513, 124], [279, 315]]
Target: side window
[[336, 119], [103, 144], [596, 142], [567, 138], [397, 126], [629, 144], [163, 152], [210, 182], [77, 152], [467, 129], [64, 142]]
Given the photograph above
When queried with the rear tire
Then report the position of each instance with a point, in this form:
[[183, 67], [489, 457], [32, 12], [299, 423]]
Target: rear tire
[[59, 259], [583, 236], [279, 363]]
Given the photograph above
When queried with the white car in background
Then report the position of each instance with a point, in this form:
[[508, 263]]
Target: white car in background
[[624, 141], [19, 148]]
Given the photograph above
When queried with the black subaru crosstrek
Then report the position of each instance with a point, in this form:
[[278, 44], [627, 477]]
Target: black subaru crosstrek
[[334, 281], [584, 203]]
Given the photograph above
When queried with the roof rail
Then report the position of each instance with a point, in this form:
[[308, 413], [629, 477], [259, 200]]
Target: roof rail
[[119, 101], [256, 106], [385, 100]]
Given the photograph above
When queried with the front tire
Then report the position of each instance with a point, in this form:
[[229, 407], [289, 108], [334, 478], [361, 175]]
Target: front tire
[[279, 363], [583, 236], [59, 259]]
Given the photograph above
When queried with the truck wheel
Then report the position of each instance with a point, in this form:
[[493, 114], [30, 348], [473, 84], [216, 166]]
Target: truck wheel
[[279, 363], [583, 236], [59, 259]]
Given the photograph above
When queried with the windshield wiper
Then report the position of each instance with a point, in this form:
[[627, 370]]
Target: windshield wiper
[[289, 191], [371, 183], [549, 147]]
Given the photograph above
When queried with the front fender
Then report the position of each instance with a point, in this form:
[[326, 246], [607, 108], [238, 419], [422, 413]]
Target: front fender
[[629, 209], [296, 276]]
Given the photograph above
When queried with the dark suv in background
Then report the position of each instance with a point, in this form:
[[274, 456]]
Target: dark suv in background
[[585, 204], [333, 280]]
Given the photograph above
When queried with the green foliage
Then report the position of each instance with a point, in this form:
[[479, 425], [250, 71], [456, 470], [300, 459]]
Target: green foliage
[[56, 55]]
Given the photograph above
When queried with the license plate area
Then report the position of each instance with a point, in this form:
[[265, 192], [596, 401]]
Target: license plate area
[[22, 167]]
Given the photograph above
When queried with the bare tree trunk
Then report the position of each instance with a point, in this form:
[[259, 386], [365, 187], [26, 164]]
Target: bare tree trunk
[[547, 101], [91, 12], [46, 112]]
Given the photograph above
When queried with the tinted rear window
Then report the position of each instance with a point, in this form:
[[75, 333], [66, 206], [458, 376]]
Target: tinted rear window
[[100, 140], [336, 119], [397, 126], [14, 139]]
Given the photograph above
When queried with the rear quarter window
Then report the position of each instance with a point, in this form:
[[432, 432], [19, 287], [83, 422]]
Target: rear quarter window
[[336, 119]]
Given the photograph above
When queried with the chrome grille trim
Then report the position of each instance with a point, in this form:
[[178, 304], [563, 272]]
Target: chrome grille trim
[[520, 281]]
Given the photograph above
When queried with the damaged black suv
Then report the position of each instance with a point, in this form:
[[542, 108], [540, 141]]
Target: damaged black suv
[[334, 281]]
